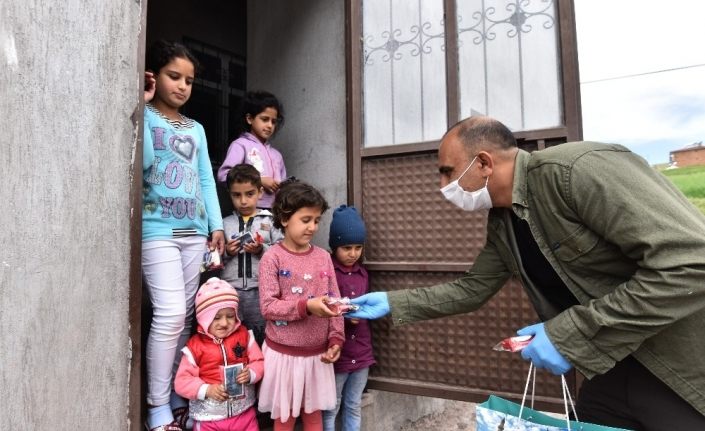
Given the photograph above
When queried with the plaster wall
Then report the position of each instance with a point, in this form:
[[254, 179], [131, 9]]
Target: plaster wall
[[298, 53], [69, 84]]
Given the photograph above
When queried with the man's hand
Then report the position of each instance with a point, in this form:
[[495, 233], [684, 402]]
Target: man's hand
[[372, 306], [541, 351]]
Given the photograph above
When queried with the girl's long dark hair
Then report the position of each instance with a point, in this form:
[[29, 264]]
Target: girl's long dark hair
[[256, 102], [161, 52]]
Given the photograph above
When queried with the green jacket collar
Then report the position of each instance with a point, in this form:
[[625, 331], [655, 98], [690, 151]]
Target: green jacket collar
[[520, 198]]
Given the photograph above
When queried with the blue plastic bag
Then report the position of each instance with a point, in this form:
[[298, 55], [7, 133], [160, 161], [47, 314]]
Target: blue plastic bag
[[497, 414]]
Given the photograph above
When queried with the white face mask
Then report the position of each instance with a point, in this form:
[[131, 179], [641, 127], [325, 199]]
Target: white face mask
[[469, 201]]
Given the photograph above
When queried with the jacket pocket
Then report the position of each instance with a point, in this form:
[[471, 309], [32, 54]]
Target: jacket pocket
[[578, 243]]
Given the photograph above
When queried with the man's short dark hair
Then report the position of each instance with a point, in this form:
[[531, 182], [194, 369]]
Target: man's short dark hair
[[477, 133]]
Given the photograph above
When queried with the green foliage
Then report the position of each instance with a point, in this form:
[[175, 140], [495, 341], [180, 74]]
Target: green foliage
[[691, 181]]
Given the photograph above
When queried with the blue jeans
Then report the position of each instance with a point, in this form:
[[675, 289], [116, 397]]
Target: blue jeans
[[348, 387]]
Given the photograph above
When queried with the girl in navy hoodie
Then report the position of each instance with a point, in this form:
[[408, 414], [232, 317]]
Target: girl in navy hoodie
[[346, 240]]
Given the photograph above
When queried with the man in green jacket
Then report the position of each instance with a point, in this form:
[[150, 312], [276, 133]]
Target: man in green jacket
[[611, 255]]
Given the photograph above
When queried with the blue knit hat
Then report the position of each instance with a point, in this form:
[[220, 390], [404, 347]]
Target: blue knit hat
[[346, 228]]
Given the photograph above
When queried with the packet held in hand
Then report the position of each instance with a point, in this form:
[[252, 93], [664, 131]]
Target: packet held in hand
[[513, 344], [244, 238], [247, 237], [211, 260], [232, 387], [343, 304]]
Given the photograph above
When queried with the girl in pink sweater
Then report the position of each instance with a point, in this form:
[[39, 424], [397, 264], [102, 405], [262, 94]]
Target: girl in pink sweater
[[303, 334], [221, 347]]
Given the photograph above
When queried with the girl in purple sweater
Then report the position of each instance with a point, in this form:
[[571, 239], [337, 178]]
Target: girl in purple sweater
[[261, 115], [304, 334]]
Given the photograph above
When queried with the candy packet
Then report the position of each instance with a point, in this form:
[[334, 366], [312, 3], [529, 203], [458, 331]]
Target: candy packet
[[343, 304], [211, 260], [513, 344]]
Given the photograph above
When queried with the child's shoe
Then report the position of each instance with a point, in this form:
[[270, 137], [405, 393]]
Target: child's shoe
[[181, 417], [174, 426], [159, 415]]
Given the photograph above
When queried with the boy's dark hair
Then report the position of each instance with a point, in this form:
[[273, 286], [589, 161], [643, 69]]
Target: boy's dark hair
[[292, 196], [161, 52], [256, 102], [244, 173]]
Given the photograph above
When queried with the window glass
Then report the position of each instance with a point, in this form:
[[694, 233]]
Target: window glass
[[508, 61], [404, 71]]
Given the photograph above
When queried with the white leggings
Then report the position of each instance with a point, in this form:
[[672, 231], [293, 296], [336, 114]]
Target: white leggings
[[171, 273]]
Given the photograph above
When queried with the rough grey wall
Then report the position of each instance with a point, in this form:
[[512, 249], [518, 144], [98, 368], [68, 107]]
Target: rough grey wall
[[68, 86], [297, 52]]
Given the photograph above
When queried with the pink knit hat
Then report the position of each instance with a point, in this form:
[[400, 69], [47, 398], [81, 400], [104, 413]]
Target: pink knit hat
[[214, 295]]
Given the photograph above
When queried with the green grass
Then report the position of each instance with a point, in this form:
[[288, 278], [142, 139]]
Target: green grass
[[691, 181], [700, 203]]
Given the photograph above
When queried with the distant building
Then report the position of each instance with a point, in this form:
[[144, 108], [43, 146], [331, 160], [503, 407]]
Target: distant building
[[690, 155]]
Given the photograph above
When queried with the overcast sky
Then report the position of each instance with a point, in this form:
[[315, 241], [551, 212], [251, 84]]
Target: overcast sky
[[653, 112]]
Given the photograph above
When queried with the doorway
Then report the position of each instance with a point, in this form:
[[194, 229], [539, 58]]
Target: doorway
[[216, 33]]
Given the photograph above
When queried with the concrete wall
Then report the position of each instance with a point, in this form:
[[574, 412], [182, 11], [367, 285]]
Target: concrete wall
[[391, 411], [68, 87], [298, 53]]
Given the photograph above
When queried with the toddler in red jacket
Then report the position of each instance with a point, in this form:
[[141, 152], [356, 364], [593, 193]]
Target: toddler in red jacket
[[220, 364]]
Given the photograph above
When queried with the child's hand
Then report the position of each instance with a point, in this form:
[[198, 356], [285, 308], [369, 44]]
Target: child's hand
[[218, 241], [150, 86], [232, 247], [253, 248], [270, 185], [319, 307], [243, 376], [331, 355], [216, 392]]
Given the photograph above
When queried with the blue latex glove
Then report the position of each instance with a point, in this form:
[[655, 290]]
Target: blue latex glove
[[541, 351], [372, 306]]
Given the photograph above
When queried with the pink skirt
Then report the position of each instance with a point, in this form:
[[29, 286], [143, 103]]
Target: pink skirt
[[291, 383]]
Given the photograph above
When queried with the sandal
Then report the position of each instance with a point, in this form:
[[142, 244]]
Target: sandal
[[181, 416], [174, 426]]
